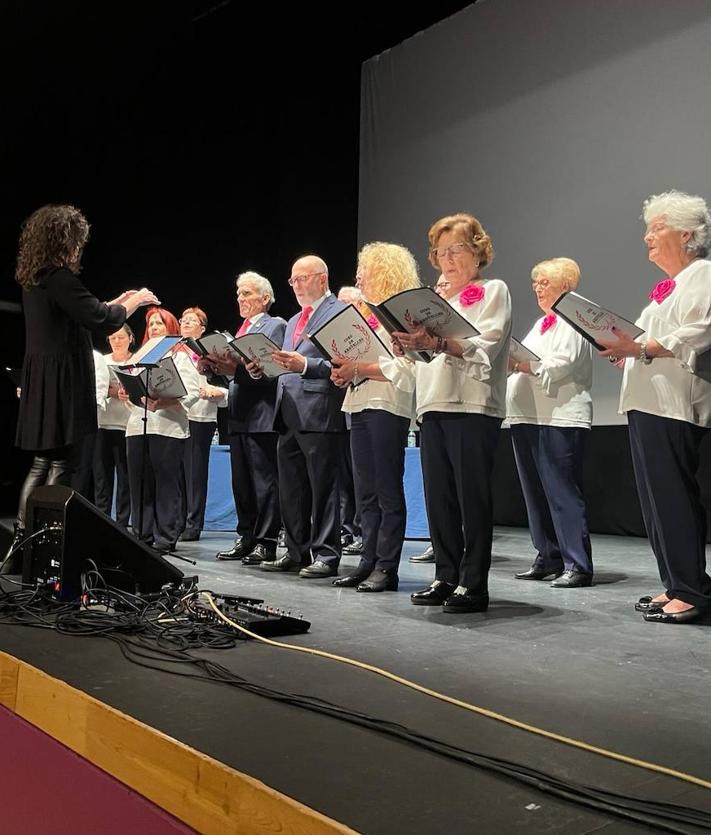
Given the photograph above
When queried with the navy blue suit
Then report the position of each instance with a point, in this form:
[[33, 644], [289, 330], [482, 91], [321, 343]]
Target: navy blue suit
[[253, 446], [310, 423]]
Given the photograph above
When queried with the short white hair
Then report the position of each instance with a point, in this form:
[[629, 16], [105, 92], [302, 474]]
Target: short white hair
[[263, 285], [350, 293], [685, 213]]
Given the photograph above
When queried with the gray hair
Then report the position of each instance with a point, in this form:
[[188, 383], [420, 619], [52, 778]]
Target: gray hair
[[263, 285], [685, 213]]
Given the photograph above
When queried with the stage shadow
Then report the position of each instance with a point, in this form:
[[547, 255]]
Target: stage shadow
[[606, 578], [498, 610]]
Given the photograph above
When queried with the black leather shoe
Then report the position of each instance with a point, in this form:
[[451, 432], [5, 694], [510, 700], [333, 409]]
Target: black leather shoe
[[353, 547], [466, 601], [318, 569], [162, 549], [379, 581], [571, 579], [189, 536], [658, 615], [238, 551], [349, 581], [426, 556], [259, 554], [282, 564], [535, 572], [644, 604], [434, 595]]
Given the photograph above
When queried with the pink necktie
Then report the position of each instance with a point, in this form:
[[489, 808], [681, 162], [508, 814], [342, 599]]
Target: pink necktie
[[244, 328], [301, 324]]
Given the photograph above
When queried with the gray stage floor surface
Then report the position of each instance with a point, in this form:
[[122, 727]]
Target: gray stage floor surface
[[580, 663]]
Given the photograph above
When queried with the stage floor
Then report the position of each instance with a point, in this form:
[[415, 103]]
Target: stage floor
[[579, 662]]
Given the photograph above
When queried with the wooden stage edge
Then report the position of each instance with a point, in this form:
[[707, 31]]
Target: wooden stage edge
[[200, 791]]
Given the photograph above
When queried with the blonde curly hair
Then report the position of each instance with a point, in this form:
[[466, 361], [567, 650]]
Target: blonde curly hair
[[391, 268], [53, 236], [471, 231]]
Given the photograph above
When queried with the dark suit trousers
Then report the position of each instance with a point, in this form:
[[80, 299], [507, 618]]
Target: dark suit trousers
[[196, 463], [83, 477], [549, 460], [162, 488], [378, 441], [457, 452], [255, 485], [308, 494], [110, 457], [665, 456], [350, 511]]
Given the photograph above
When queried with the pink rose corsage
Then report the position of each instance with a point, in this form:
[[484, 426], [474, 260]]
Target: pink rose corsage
[[373, 322], [662, 289], [548, 322], [470, 295]]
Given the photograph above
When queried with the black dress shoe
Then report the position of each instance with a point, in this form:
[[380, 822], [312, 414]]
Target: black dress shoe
[[426, 556], [461, 602], [536, 572], [349, 581], [162, 549], [571, 579], [282, 564], [433, 595], [658, 615], [346, 539], [258, 554], [238, 551], [318, 569], [189, 536], [353, 547], [379, 581]]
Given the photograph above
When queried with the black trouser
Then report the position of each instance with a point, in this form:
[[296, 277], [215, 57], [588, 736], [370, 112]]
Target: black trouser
[[196, 462], [110, 458], [457, 461], [350, 510], [255, 486], [49, 466], [665, 456], [83, 476], [308, 494], [549, 460], [378, 441], [162, 488]]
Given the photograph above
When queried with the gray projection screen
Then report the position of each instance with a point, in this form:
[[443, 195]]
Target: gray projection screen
[[551, 120]]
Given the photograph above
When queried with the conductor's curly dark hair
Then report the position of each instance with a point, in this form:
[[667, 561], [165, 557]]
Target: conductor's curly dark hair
[[53, 236]]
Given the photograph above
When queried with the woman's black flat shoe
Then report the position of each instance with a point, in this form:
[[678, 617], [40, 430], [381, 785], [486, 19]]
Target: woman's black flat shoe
[[660, 616]]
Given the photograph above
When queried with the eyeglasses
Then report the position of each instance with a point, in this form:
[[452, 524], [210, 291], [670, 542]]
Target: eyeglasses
[[299, 279], [542, 283], [189, 320], [451, 250]]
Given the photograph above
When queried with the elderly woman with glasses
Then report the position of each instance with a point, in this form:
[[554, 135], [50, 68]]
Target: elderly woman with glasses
[[202, 419], [549, 407], [460, 399], [666, 394]]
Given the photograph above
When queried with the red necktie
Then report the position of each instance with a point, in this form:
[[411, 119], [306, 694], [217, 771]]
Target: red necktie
[[301, 324], [244, 328]]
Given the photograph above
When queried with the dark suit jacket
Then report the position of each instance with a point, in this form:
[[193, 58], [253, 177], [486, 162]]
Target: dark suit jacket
[[58, 402], [250, 403], [310, 402]]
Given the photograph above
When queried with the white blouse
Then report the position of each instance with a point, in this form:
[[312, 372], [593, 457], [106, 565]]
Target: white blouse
[[205, 411], [677, 387], [377, 394], [173, 422], [113, 413], [475, 382], [557, 392]]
